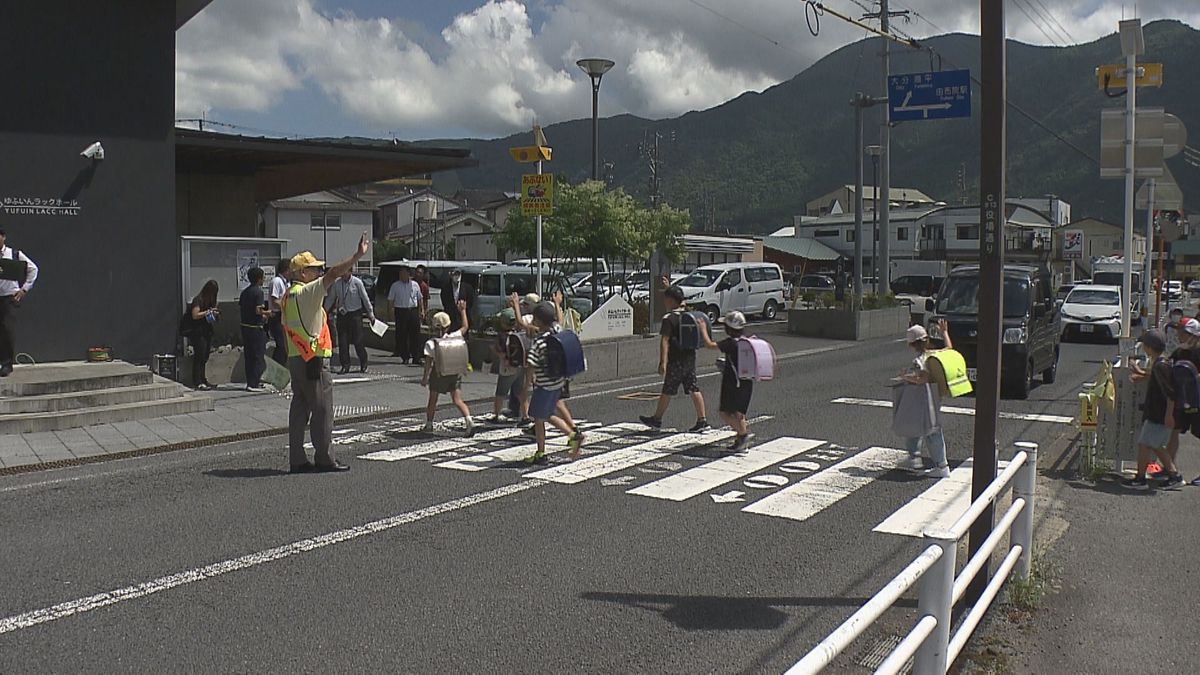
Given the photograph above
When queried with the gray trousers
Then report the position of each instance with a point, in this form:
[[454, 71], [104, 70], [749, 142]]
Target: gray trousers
[[312, 401]]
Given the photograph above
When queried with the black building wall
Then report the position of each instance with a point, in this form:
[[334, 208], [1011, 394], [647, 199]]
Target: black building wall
[[76, 72]]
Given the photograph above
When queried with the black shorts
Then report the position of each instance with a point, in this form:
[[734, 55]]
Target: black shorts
[[735, 395], [680, 374]]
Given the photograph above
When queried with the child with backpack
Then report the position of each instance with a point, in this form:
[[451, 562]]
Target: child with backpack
[[445, 364], [1158, 413], [735, 391], [545, 362], [677, 361], [508, 355]]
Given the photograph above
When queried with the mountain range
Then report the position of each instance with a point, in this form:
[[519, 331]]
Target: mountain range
[[750, 164]]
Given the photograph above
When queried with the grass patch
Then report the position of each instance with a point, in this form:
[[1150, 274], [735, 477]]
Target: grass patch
[[1026, 595]]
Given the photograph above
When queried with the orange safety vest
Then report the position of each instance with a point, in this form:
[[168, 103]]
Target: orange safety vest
[[300, 340]]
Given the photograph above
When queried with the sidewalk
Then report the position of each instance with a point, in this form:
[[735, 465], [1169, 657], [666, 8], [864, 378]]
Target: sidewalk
[[1124, 580], [387, 388]]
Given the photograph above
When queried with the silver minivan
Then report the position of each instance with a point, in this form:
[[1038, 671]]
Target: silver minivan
[[751, 288]]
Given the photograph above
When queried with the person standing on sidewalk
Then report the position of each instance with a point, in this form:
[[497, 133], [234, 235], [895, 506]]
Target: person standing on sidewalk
[[920, 406], [309, 347], [349, 297], [204, 313], [455, 291], [404, 298], [1187, 348], [13, 288], [676, 364], [279, 288], [254, 338], [1158, 413]]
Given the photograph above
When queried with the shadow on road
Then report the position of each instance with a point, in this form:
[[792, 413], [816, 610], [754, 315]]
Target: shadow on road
[[707, 612], [245, 473]]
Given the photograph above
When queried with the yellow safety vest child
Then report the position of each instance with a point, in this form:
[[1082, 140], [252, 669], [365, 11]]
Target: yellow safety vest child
[[949, 369]]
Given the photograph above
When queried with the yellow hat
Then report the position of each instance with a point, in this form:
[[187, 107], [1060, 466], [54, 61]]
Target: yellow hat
[[305, 259], [441, 320]]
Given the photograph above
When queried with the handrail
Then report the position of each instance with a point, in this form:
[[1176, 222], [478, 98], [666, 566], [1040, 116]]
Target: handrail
[[929, 641], [841, 637]]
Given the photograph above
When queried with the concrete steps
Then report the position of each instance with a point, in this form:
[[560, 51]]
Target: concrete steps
[[57, 396]]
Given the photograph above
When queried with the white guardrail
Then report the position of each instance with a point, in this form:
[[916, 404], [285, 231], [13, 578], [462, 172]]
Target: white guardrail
[[930, 640]]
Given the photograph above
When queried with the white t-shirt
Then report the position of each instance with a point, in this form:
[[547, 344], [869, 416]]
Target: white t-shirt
[[279, 287], [405, 295]]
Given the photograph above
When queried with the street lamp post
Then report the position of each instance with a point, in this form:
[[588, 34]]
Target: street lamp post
[[595, 69], [874, 151]]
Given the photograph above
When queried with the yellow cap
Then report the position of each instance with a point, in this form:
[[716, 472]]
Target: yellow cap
[[305, 259]]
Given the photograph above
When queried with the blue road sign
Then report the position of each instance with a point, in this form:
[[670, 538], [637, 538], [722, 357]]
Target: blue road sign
[[929, 96]]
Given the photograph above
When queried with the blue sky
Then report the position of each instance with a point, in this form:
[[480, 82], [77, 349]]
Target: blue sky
[[418, 69]]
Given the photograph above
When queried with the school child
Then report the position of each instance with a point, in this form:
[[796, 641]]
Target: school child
[[445, 383], [547, 388], [677, 365], [1158, 413], [921, 396], [510, 377], [735, 392]]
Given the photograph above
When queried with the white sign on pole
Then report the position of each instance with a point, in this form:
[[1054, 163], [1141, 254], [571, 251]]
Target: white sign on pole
[[1072, 248], [614, 319]]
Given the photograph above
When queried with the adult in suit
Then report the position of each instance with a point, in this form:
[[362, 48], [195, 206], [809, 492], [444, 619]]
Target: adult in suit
[[454, 291]]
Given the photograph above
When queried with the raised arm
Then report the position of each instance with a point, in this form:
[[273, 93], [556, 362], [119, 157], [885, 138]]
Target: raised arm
[[945, 330], [333, 273], [462, 314]]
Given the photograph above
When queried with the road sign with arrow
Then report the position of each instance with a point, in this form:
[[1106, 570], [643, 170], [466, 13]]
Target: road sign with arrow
[[929, 96]]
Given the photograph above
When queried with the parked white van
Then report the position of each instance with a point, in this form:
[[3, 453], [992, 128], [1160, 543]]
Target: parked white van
[[752, 288]]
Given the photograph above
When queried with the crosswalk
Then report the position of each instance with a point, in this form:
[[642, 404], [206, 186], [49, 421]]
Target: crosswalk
[[789, 478]]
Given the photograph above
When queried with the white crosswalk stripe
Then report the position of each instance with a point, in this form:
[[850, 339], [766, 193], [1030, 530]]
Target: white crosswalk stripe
[[700, 479], [440, 445], [956, 410], [938, 507], [516, 453], [824, 489], [603, 464]]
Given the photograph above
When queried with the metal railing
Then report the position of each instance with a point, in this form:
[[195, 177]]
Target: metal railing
[[930, 640]]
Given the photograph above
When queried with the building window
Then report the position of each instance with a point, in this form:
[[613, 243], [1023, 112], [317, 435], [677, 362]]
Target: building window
[[326, 221], [901, 234], [850, 235], [968, 232], [825, 233]]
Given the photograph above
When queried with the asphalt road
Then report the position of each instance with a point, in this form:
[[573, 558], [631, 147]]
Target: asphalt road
[[215, 560]]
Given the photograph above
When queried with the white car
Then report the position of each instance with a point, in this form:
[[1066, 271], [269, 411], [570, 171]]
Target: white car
[[1172, 289], [751, 288], [1092, 311]]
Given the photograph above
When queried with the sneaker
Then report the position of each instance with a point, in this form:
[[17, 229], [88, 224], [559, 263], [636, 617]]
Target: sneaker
[[650, 421], [1135, 484], [258, 390], [574, 443], [428, 428], [538, 457], [912, 463], [739, 443], [937, 472], [700, 425], [470, 423], [1171, 482], [1196, 482], [1158, 475], [529, 431], [525, 422]]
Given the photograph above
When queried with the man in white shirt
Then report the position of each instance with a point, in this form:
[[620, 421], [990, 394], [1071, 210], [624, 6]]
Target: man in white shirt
[[404, 297], [349, 302], [275, 294], [12, 291]]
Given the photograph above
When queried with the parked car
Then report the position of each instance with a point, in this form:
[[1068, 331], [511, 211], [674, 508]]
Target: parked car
[[1064, 290], [1173, 289], [1092, 311], [1194, 287], [816, 283], [752, 288], [1032, 332], [914, 289], [494, 284]]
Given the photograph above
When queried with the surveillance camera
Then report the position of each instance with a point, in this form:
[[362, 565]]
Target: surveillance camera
[[93, 151]]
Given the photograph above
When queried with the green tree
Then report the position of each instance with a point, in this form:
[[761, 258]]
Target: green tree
[[389, 249]]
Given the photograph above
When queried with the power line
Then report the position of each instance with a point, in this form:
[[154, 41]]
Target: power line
[[1036, 24], [1047, 21], [748, 29], [1057, 22]]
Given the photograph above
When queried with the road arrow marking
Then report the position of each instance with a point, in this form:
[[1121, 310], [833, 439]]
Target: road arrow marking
[[619, 480], [729, 497]]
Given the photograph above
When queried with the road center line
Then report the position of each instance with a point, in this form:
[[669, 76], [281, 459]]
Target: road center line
[[93, 602], [954, 410]]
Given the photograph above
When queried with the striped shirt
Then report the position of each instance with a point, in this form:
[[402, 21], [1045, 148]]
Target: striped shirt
[[538, 361]]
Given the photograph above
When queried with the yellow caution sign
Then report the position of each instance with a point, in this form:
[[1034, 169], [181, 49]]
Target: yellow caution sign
[[537, 194], [1089, 411], [530, 154], [1148, 75]]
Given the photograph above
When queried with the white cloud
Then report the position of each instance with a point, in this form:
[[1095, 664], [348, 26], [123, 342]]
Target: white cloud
[[490, 72]]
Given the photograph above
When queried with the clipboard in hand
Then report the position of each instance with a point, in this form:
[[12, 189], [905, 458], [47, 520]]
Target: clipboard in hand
[[13, 270]]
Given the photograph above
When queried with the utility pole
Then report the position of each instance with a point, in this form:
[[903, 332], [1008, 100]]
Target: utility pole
[[992, 217], [1131, 45], [860, 102], [883, 193]]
